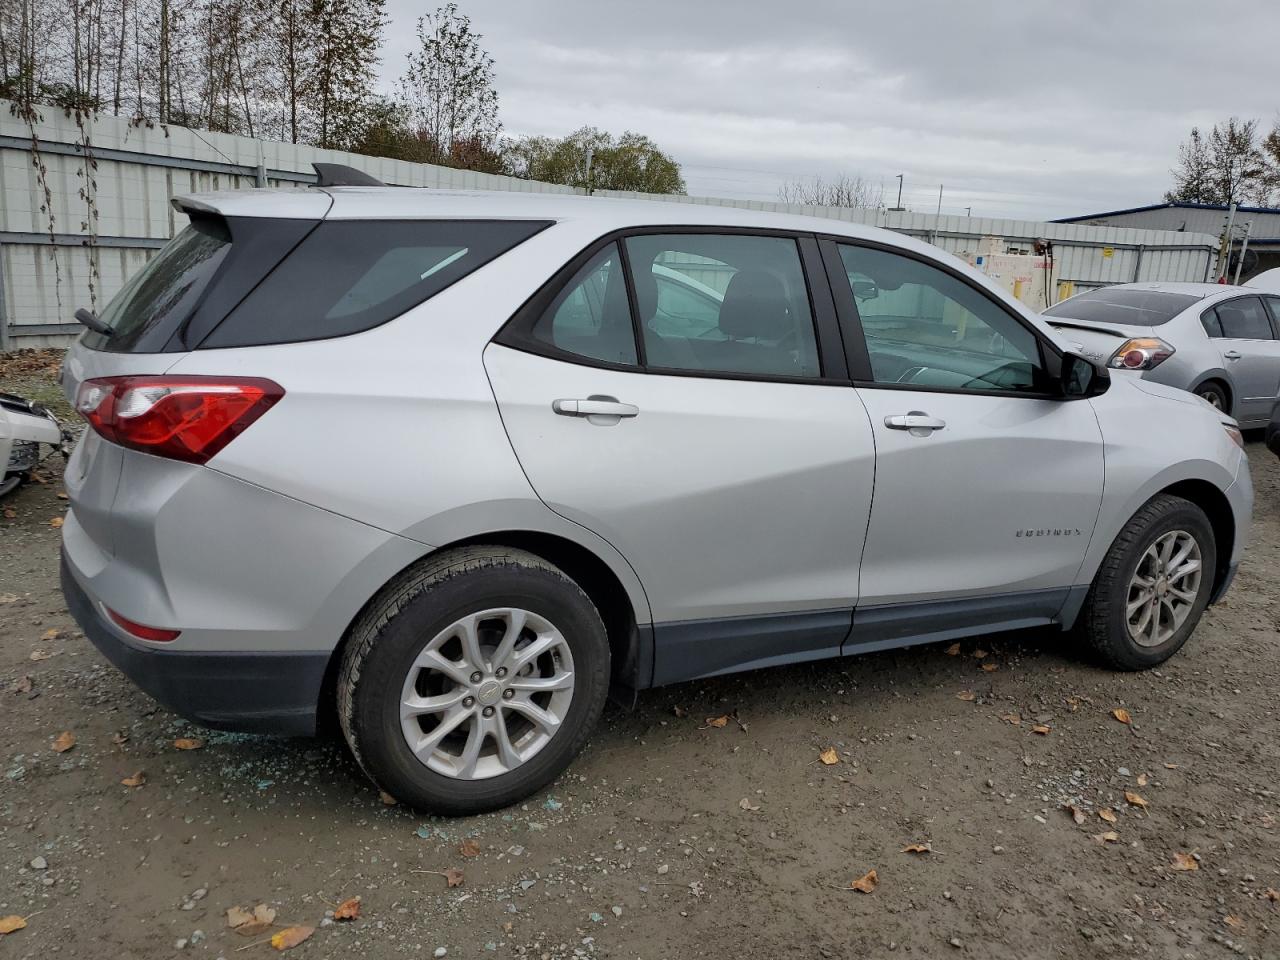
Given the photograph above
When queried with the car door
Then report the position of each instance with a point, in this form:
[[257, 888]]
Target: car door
[[725, 456], [987, 485], [1244, 334]]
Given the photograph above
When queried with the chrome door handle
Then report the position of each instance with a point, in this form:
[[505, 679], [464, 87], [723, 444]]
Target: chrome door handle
[[1233, 354], [913, 421], [594, 407]]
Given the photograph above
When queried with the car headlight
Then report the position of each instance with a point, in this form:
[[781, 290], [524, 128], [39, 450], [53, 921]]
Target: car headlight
[[1234, 433], [1140, 353]]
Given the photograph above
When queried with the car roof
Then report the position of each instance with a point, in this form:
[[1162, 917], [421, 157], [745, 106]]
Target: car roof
[[609, 213]]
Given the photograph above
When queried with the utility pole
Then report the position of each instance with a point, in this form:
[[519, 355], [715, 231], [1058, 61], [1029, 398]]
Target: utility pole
[[939, 199], [968, 211], [899, 206]]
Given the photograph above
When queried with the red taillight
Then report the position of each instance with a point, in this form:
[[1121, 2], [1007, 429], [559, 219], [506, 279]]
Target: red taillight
[[183, 418], [141, 631]]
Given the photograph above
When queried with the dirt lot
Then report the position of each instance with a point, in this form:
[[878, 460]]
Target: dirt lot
[[668, 837]]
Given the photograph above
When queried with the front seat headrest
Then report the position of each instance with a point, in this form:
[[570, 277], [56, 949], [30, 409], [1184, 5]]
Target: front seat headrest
[[755, 306]]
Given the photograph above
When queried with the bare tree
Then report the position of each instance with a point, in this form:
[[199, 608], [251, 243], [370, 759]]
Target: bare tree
[[345, 35], [1225, 167], [843, 191]]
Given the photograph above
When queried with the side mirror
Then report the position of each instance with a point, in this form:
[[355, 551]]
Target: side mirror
[[865, 289], [1080, 378]]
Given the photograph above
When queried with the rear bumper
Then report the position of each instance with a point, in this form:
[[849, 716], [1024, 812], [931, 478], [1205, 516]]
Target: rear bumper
[[258, 692]]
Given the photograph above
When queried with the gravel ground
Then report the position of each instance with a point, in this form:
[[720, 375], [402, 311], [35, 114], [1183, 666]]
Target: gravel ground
[[671, 837]]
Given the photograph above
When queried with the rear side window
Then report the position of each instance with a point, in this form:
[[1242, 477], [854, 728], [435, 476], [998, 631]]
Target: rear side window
[[1244, 319], [1124, 305], [353, 275], [590, 317]]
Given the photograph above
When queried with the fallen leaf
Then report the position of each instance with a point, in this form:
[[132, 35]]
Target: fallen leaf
[[452, 877], [348, 909], [829, 756], [1108, 815], [746, 804], [290, 937], [469, 848], [966, 695], [1184, 861], [1272, 895], [1121, 714], [9, 598], [251, 923], [119, 738], [1233, 921], [11, 923], [979, 654], [1013, 718], [1171, 766], [386, 798], [64, 741], [1109, 837], [917, 848], [63, 496], [716, 722], [865, 883], [238, 917], [51, 634], [21, 685], [1142, 779], [679, 711], [953, 650], [55, 522], [40, 655], [137, 780], [10, 513], [1041, 729], [1135, 800], [991, 667], [188, 743], [1074, 703], [1077, 814]]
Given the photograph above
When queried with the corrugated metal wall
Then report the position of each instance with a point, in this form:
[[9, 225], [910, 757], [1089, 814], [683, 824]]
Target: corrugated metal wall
[[46, 270]]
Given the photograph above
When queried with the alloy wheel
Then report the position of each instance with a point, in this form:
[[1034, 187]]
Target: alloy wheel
[[1163, 589]]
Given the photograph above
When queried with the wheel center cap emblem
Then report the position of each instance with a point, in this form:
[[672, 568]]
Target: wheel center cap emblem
[[1162, 587], [489, 693]]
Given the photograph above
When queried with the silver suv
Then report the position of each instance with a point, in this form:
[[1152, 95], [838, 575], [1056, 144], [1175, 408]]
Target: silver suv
[[449, 467]]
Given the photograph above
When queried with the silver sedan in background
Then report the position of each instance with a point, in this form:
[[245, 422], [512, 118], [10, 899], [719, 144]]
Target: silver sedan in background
[[1220, 342]]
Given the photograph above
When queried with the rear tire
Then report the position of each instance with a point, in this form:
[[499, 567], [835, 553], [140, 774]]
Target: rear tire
[[1215, 394], [1133, 626], [424, 663]]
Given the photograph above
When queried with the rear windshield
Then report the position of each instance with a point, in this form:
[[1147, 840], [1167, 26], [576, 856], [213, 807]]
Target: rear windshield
[[1124, 305], [352, 275]]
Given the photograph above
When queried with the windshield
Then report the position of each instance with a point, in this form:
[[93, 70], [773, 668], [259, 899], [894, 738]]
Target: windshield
[[1124, 305]]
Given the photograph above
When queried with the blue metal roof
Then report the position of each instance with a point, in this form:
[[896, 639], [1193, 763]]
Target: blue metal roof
[[1164, 206]]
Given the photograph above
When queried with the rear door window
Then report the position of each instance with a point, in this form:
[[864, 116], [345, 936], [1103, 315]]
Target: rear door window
[[590, 317], [1244, 319], [352, 275]]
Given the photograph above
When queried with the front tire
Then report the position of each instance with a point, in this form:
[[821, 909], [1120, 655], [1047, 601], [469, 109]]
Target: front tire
[[473, 680], [1153, 586]]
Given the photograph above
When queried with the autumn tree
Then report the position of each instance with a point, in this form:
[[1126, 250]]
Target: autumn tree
[[1225, 167], [594, 159]]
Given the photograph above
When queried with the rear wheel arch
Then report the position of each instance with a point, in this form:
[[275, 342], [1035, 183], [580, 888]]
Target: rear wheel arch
[[1222, 385]]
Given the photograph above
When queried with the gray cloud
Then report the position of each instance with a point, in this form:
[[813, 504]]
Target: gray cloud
[[1026, 109]]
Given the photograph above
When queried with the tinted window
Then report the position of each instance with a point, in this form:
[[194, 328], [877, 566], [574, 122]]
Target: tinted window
[[927, 328], [723, 303], [1244, 319], [1209, 320], [590, 317], [163, 294], [352, 275], [1126, 305]]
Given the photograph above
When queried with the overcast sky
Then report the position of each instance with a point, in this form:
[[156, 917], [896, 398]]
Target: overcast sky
[[1032, 108]]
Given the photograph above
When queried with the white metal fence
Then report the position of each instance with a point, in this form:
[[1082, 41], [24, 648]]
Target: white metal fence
[[47, 266]]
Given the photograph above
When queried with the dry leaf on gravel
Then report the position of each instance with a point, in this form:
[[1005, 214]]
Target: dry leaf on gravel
[[1272, 895], [10, 513], [991, 667], [953, 650], [1109, 837], [119, 738], [1041, 729], [1184, 861], [865, 883], [1077, 814], [348, 909], [21, 685], [1108, 815], [452, 877], [469, 848], [137, 780], [979, 654], [1233, 921], [386, 798], [250, 923], [64, 741], [917, 848], [290, 937], [1171, 766], [1121, 714], [1013, 718], [1135, 800], [38, 655], [55, 522], [11, 924], [966, 695], [829, 756], [717, 722], [188, 743], [1142, 779], [53, 634], [746, 804]]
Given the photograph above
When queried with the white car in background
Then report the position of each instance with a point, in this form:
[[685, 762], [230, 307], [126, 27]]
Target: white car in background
[[24, 425]]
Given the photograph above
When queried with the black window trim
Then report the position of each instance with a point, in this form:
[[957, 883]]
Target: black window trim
[[516, 333], [1272, 319], [855, 339]]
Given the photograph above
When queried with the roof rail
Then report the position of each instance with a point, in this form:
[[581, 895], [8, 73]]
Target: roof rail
[[340, 175]]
